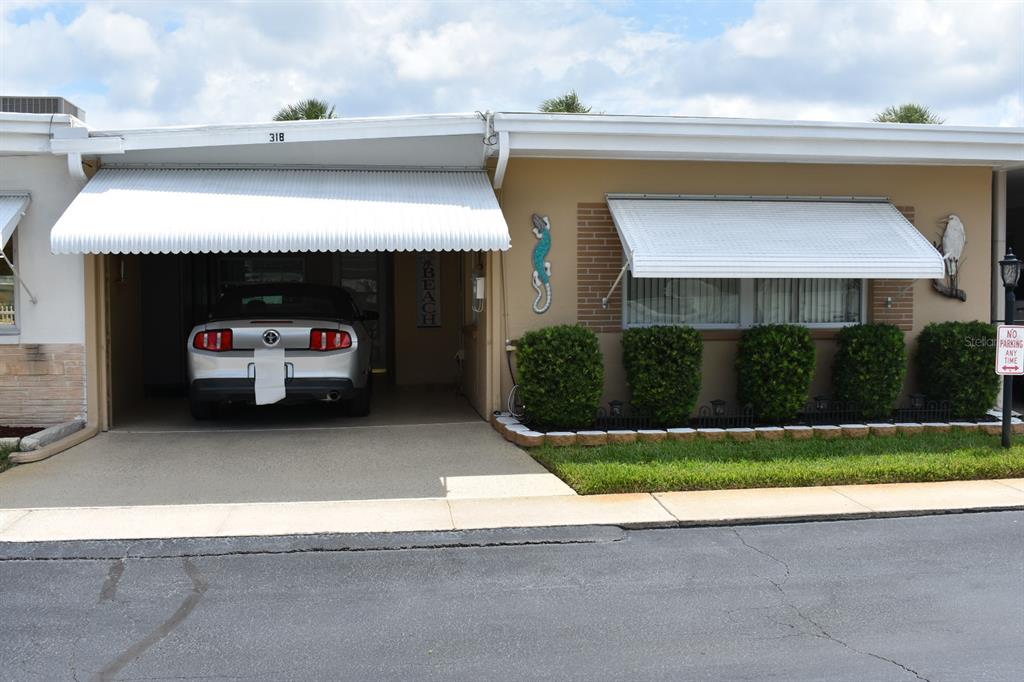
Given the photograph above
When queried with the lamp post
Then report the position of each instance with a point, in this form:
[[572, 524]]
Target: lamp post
[[1009, 271]]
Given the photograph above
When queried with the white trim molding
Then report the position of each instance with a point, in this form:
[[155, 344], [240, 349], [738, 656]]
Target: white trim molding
[[722, 139]]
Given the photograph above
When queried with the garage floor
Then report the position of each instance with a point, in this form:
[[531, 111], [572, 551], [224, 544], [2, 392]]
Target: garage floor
[[416, 444], [391, 406]]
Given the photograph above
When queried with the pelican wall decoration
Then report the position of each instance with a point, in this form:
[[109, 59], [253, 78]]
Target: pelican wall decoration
[[954, 239]]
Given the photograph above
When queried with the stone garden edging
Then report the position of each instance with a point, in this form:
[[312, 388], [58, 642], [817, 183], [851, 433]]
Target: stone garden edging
[[516, 432]]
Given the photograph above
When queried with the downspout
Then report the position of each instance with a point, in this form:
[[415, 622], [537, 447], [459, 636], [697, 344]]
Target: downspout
[[94, 352], [503, 152], [498, 327], [75, 168]]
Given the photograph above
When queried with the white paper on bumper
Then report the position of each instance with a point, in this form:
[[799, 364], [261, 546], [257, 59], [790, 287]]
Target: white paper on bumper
[[270, 374]]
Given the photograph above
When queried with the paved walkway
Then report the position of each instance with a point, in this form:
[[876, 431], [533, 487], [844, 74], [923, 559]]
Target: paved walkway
[[630, 510]]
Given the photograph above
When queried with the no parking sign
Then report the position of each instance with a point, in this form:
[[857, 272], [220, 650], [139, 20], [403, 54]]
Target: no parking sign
[[1009, 349]]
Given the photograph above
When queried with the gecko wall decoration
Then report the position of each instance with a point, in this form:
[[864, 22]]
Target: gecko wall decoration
[[541, 266]]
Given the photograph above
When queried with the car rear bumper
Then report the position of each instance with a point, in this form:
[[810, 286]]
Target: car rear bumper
[[243, 390]]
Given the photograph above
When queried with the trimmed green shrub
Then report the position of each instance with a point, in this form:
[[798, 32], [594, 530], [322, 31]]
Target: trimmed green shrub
[[774, 366], [561, 376], [956, 362], [870, 365], [663, 369]]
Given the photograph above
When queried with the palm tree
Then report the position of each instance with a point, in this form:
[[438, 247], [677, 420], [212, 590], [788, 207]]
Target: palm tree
[[908, 113], [306, 110], [569, 103]]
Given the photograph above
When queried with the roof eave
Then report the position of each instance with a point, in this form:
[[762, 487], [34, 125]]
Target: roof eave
[[341, 129], [668, 138], [24, 134]]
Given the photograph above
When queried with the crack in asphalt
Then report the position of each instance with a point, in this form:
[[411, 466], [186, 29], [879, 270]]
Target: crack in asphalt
[[317, 550], [109, 588], [199, 586], [821, 631]]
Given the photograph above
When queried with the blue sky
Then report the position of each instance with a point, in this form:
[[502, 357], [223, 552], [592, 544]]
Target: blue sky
[[161, 63]]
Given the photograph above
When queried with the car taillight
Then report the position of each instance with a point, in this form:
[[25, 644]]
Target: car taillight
[[329, 339], [216, 340]]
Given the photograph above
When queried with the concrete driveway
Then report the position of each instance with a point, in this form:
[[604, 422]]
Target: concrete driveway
[[279, 459]]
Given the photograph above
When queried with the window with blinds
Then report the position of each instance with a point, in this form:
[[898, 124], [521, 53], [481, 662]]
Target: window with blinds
[[807, 301], [742, 302], [651, 301]]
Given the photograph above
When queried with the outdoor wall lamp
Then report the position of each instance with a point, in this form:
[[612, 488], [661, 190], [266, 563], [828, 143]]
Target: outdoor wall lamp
[[820, 403], [1009, 270], [615, 408]]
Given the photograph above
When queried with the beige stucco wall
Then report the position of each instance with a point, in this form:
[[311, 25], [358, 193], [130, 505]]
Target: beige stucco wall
[[554, 187]]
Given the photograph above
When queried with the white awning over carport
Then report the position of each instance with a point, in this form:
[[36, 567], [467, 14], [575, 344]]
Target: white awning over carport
[[12, 207], [202, 210], [739, 237]]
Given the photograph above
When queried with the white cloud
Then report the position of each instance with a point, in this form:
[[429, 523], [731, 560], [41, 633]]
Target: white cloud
[[161, 62], [113, 35]]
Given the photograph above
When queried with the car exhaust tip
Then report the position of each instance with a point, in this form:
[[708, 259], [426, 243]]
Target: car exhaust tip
[[333, 396]]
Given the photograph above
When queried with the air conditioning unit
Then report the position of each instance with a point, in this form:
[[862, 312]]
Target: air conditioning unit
[[40, 105]]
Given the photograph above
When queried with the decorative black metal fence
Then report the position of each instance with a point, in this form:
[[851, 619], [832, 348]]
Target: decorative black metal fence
[[822, 410], [619, 416], [717, 415], [923, 411]]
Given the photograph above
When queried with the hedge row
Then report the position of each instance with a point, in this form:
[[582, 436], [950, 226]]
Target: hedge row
[[561, 372]]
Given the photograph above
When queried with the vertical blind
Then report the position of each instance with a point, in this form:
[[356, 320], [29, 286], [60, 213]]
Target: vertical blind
[[716, 301], [807, 301], [651, 300]]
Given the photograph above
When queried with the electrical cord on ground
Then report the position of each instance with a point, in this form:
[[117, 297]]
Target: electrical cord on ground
[[512, 404]]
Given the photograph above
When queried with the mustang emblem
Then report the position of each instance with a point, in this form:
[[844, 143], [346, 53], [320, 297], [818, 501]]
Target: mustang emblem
[[271, 337]]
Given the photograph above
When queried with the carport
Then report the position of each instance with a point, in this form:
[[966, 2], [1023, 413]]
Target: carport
[[406, 244]]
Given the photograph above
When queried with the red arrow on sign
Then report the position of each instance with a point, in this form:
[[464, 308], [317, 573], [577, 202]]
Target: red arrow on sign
[[1012, 368]]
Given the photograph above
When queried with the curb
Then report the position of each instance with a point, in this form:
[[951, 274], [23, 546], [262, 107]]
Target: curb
[[518, 433], [813, 518]]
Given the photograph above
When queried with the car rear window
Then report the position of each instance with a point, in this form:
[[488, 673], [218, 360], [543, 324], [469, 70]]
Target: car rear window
[[284, 302]]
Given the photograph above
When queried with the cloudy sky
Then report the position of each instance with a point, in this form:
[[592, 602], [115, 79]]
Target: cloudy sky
[[162, 63]]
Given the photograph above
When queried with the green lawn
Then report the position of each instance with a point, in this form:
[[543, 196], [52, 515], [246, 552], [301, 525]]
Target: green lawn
[[4, 462], [705, 465]]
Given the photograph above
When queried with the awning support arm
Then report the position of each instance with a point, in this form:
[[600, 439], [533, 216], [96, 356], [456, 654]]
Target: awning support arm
[[604, 301], [31, 296]]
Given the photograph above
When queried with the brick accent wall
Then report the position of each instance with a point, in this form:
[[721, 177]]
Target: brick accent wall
[[900, 311], [892, 300], [41, 384], [598, 262]]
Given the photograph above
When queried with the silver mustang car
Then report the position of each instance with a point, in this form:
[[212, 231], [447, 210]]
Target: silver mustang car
[[267, 343]]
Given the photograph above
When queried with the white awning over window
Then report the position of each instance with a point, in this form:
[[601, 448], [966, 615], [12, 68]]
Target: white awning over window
[[12, 207], [769, 237], [161, 210]]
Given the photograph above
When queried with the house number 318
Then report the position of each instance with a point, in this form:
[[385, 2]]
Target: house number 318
[[277, 137]]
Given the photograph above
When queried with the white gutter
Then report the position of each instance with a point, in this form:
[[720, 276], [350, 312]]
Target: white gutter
[[27, 134], [662, 137]]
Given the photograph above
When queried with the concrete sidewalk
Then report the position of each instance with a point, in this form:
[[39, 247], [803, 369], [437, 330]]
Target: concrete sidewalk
[[636, 510]]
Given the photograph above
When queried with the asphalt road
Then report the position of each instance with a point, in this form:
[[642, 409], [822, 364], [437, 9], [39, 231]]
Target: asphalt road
[[927, 598]]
